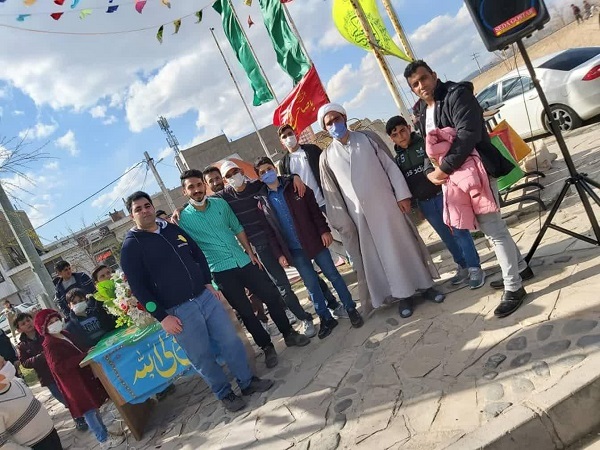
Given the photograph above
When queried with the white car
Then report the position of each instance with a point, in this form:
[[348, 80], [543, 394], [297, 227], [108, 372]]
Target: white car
[[30, 308], [571, 81]]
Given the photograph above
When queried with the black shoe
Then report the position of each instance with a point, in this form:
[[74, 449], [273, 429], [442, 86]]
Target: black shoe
[[510, 302], [271, 358], [80, 424], [355, 318], [295, 339], [257, 385], [406, 307], [526, 274], [327, 327], [433, 295], [233, 403]]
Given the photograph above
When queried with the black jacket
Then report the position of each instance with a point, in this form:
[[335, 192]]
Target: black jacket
[[82, 281], [457, 107], [411, 162], [31, 355], [163, 269], [91, 337], [313, 153]]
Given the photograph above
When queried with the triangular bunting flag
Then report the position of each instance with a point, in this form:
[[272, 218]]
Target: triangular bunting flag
[[84, 13], [56, 16], [29, 2], [22, 17], [74, 4], [177, 25], [250, 23], [199, 16], [112, 9], [167, 3], [59, 2], [160, 33], [248, 2], [139, 6]]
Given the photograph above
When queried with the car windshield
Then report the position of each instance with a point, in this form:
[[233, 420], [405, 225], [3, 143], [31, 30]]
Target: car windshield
[[569, 59]]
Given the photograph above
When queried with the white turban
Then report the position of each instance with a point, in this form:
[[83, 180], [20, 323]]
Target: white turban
[[329, 107]]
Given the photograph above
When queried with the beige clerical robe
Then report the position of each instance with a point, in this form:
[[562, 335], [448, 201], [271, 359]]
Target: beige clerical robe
[[362, 185]]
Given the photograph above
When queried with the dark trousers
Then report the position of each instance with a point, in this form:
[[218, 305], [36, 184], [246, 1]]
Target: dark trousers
[[233, 283], [50, 442]]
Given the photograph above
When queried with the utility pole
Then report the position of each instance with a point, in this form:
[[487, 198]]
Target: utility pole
[[399, 30], [475, 57], [239, 91], [383, 65], [163, 123], [159, 180], [28, 248]]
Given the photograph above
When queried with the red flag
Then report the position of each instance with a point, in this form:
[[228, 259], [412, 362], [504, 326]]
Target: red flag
[[300, 107], [250, 23], [285, 1], [56, 16]]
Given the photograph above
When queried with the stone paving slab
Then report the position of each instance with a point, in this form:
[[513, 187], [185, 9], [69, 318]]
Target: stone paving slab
[[420, 383]]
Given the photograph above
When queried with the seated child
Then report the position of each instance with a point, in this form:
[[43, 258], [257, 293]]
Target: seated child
[[81, 389], [24, 422], [87, 319]]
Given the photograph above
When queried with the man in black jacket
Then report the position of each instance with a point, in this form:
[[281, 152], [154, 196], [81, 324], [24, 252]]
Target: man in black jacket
[[454, 105], [66, 280], [169, 275]]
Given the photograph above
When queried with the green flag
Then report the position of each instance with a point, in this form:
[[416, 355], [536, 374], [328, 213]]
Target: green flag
[[289, 53], [240, 46]]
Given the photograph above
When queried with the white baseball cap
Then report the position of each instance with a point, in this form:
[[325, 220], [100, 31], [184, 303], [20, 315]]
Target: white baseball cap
[[227, 166]]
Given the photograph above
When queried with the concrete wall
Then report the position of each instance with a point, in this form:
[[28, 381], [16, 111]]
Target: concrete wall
[[248, 147]]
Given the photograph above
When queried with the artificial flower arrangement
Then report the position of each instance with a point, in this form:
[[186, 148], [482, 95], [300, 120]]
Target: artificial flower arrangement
[[116, 296]]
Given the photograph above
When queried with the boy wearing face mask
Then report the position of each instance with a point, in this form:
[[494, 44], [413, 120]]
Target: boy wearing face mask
[[87, 318], [24, 422], [81, 389]]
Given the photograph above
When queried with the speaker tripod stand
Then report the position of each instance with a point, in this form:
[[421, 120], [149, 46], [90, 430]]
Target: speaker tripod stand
[[582, 183]]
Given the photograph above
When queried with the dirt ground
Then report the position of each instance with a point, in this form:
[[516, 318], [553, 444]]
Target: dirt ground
[[573, 35]]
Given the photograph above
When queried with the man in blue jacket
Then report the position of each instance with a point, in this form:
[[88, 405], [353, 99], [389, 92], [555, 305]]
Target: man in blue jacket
[[169, 275], [66, 280]]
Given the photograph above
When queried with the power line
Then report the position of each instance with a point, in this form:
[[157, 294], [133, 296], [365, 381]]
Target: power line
[[475, 57], [90, 196]]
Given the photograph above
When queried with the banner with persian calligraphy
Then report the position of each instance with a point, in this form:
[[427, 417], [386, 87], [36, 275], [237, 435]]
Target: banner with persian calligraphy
[[140, 363], [299, 109]]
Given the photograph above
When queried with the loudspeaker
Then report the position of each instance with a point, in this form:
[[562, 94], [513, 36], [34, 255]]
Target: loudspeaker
[[502, 22]]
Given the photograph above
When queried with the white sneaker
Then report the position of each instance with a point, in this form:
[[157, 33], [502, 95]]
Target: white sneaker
[[308, 328], [290, 316], [340, 313], [112, 442]]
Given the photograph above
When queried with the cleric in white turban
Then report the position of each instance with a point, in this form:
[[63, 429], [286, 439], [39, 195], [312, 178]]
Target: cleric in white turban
[[367, 203]]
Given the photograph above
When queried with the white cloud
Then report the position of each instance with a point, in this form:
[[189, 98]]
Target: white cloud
[[130, 182], [53, 165], [164, 153], [109, 120], [332, 39], [68, 142], [39, 131], [98, 111], [18, 113]]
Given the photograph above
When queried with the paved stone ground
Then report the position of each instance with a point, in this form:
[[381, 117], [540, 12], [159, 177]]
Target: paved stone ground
[[410, 384]]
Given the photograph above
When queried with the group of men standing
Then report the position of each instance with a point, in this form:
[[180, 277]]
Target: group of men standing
[[243, 235]]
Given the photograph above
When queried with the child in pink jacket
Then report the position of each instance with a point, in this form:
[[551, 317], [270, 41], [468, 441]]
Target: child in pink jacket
[[467, 192]]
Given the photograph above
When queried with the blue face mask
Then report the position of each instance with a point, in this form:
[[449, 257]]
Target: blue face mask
[[337, 130], [269, 177]]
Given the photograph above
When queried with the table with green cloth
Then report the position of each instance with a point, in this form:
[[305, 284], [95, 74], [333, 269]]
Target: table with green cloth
[[134, 364]]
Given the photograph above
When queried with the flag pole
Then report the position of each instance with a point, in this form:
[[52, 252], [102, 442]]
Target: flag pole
[[262, 142], [289, 18], [399, 30], [262, 71], [383, 65]]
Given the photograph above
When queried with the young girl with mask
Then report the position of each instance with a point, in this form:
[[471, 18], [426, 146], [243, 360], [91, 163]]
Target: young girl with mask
[[81, 389], [24, 422]]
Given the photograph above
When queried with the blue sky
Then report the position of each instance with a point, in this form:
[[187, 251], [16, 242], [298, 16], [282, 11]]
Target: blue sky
[[93, 99]]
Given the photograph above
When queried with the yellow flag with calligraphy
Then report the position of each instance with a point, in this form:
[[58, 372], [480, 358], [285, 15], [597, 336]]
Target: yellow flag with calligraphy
[[348, 25]]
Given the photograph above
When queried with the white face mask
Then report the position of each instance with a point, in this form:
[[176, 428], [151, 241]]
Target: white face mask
[[8, 371], [236, 181], [56, 327], [79, 308], [196, 203], [290, 141]]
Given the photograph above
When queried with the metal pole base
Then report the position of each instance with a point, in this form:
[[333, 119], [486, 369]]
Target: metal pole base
[[582, 184]]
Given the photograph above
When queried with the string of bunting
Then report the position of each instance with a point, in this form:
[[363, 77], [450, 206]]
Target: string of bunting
[[112, 8]]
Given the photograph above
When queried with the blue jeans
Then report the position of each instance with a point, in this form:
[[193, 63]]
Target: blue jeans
[[311, 280], [459, 242], [94, 421], [53, 388], [205, 321]]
